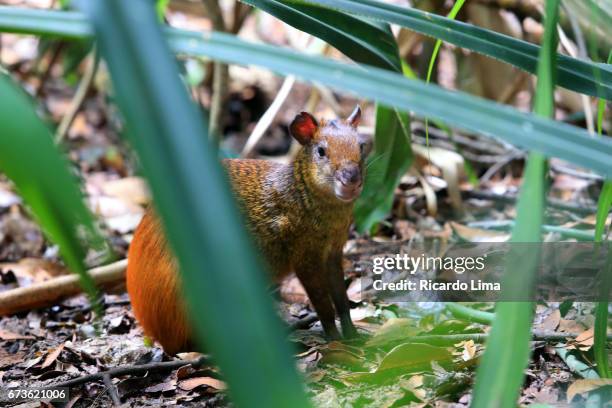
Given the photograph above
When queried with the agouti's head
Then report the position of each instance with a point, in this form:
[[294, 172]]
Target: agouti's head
[[336, 153]]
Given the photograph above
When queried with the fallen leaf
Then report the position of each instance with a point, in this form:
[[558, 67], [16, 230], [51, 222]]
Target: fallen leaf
[[162, 387], [570, 326], [470, 234], [52, 356], [342, 358], [129, 189], [192, 383], [584, 341], [7, 335], [392, 331], [469, 350], [584, 386], [551, 322], [413, 355]]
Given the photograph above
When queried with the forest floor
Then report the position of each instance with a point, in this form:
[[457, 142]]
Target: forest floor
[[434, 203]]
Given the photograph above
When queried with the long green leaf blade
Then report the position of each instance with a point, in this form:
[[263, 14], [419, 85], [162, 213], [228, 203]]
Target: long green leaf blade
[[455, 108], [42, 176], [500, 375], [359, 39], [223, 281], [577, 75], [580, 76]]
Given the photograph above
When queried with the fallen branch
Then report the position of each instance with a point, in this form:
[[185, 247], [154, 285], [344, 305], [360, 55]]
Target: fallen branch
[[50, 292], [130, 370], [583, 209]]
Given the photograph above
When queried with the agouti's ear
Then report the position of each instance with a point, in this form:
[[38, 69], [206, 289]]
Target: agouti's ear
[[354, 117], [303, 127]]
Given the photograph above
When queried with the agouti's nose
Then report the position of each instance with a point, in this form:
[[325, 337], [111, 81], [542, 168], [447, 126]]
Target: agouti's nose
[[350, 174]]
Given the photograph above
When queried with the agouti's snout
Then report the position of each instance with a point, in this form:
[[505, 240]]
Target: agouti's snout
[[348, 182]]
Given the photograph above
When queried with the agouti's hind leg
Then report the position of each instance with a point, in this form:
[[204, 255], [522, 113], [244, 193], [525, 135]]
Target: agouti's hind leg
[[316, 288], [335, 275]]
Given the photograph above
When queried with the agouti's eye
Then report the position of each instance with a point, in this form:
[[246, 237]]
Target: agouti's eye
[[321, 151]]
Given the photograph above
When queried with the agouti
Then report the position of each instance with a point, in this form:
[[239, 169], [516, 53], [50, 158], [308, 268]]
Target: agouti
[[299, 215]]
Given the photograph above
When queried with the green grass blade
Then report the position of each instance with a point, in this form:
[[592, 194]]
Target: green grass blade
[[359, 39], [434, 55], [43, 178], [223, 280], [577, 75], [389, 161], [601, 311], [455, 108], [501, 373]]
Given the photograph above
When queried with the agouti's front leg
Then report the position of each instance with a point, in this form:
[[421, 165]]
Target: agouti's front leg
[[335, 275], [310, 274]]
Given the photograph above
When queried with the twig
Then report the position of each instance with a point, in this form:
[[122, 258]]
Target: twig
[[578, 51], [304, 322], [220, 75], [112, 391], [266, 120], [241, 12], [54, 56], [506, 225], [551, 202], [576, 173], [53, 290], [499, 165], [131, 370], [93, 61]]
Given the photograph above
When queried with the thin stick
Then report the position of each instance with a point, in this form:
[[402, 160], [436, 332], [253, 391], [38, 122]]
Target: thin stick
[[53, 290], [131, 370], [551, 202], [266, 120], [112, 391], [220, 75], [79, 96]]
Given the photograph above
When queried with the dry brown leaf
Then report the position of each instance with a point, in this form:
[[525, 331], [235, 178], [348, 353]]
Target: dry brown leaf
[[570, 326], [129, 189], [7, 335], [162, 387], [192, 383], [551, 322], [469, 350], [477, 234], [584, 386], [584, 341], [52, 356]]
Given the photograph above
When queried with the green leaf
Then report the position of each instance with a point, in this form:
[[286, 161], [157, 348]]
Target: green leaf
[[42, 176], [359, 39], [577, 75], [451, 15], [390, 159], [455, 108], [500, 375], [222, 278]]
